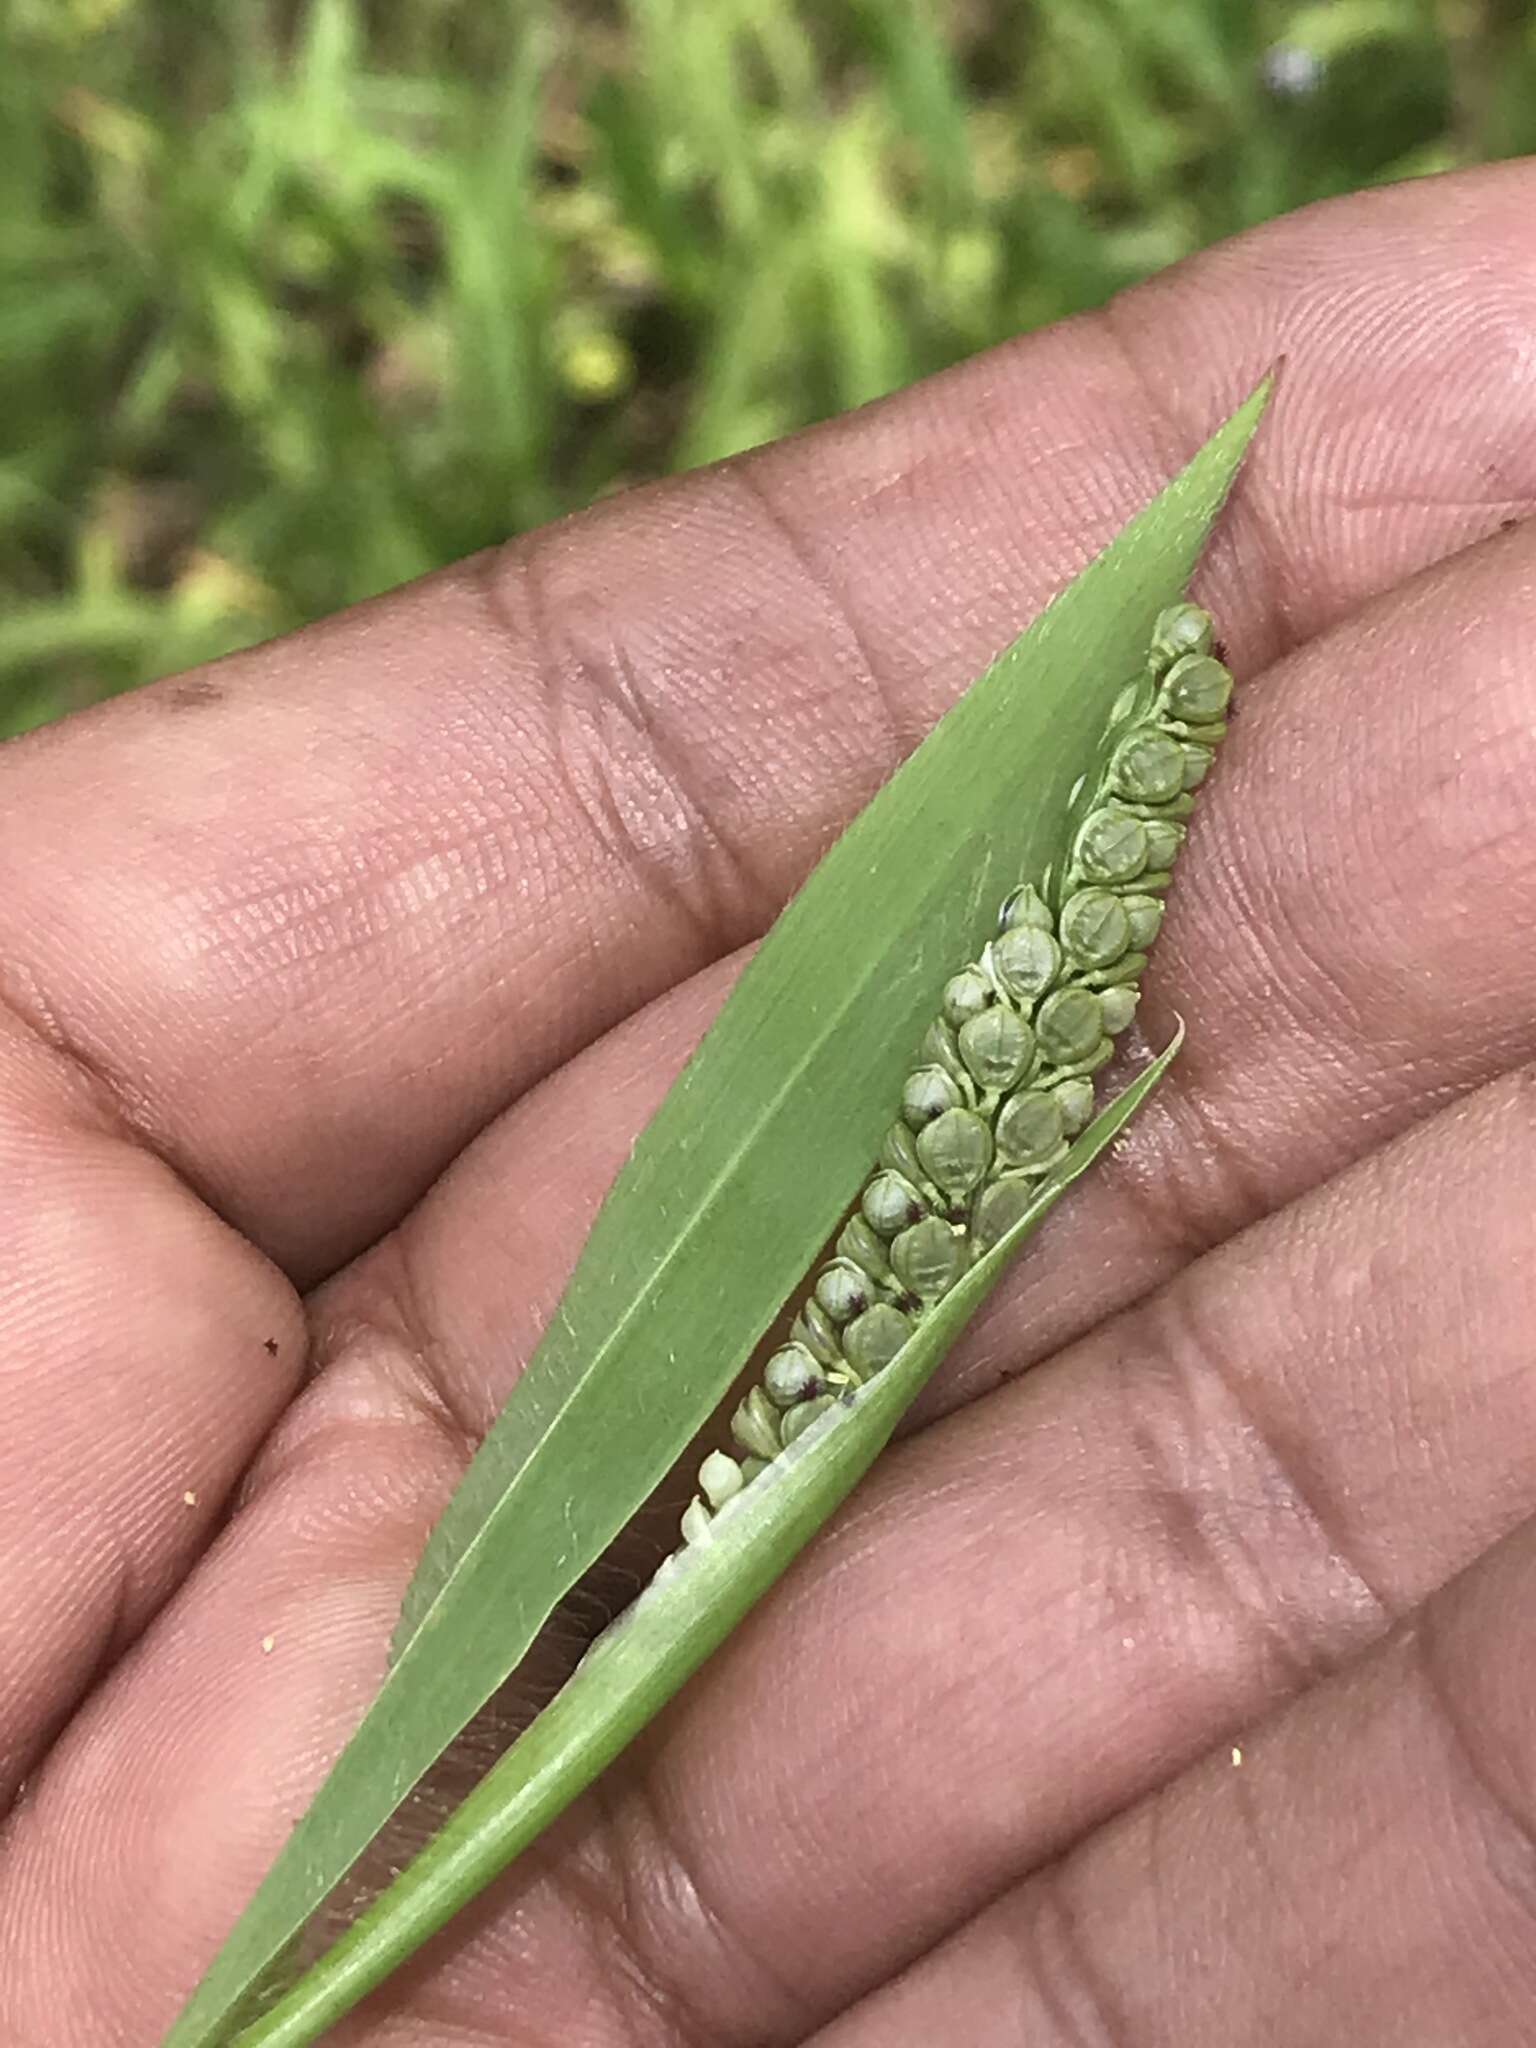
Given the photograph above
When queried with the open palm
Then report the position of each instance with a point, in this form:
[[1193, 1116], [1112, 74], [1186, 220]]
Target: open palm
[[1172, 1693]]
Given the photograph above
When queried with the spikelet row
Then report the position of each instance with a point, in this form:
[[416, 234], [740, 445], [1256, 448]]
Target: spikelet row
[[1006, 1074]]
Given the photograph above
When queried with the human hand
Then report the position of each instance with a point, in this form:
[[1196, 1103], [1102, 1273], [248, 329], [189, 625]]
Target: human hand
[[339, 978]]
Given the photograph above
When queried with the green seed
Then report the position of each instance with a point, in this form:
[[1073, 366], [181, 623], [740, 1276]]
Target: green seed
[[1095, 927], [861, 1247], [929, 1258], [997, 1046], [791, 1375], [1145, 916], [799, 1420], [814, 1329], [753, 1468], [1026, 909], [1164, 838], [1197, 689], [1102, 1052], [1074, 1099], [1000, 1207], [695, 1522], [1112, 847], [844, 1289], [890, 1203], [1026, 961], [956, 1150], [755, 1425], [1197, 763], [1183, 629], [929, 1091], [940, 1049], [1126, 968], [873, 1339], [898, 1152], [1030, 1129], [1069, 1025], [1118, 1007], [720, 1479], [1148, 768], [966, 995]]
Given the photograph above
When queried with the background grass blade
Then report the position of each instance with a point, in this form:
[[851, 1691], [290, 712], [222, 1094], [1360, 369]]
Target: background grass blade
[[637, 1665], [736, 1183], [346, 291]]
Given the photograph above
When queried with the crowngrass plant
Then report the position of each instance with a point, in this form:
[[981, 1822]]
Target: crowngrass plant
[[1071, 762]]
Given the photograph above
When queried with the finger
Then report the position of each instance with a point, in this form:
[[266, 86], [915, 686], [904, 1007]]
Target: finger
[[333, 903], [147, 1349], [1035, 1610], [1359, 1870]]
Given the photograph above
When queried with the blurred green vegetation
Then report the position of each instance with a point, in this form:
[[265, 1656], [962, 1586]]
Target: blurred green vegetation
[[298, 300]]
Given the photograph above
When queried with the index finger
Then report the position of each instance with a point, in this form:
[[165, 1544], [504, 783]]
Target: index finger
[[331, 904]]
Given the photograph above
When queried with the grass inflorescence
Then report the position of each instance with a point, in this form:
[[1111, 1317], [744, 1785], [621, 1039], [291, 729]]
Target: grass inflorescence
[[1006, 1074]]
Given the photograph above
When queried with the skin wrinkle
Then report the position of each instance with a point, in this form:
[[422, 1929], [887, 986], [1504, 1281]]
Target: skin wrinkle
[[21, 1762], [1276, 928], [625, 1915], [612, 682], [1054, 1960], [578, 688], [1263, 558], [622, 1981], [890, 749], [740, 899], [1172, 438], [1494, 1787], [120, 1109], [1176, 1193], [386, 1369], [414, 1366], [1193, 1352]]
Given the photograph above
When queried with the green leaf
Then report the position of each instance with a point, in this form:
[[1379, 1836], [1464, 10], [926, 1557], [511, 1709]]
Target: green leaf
[[735, 1184], [637, 1665]]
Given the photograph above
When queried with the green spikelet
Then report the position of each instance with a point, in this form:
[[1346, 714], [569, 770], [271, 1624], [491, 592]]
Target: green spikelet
[[1004, 1079]]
